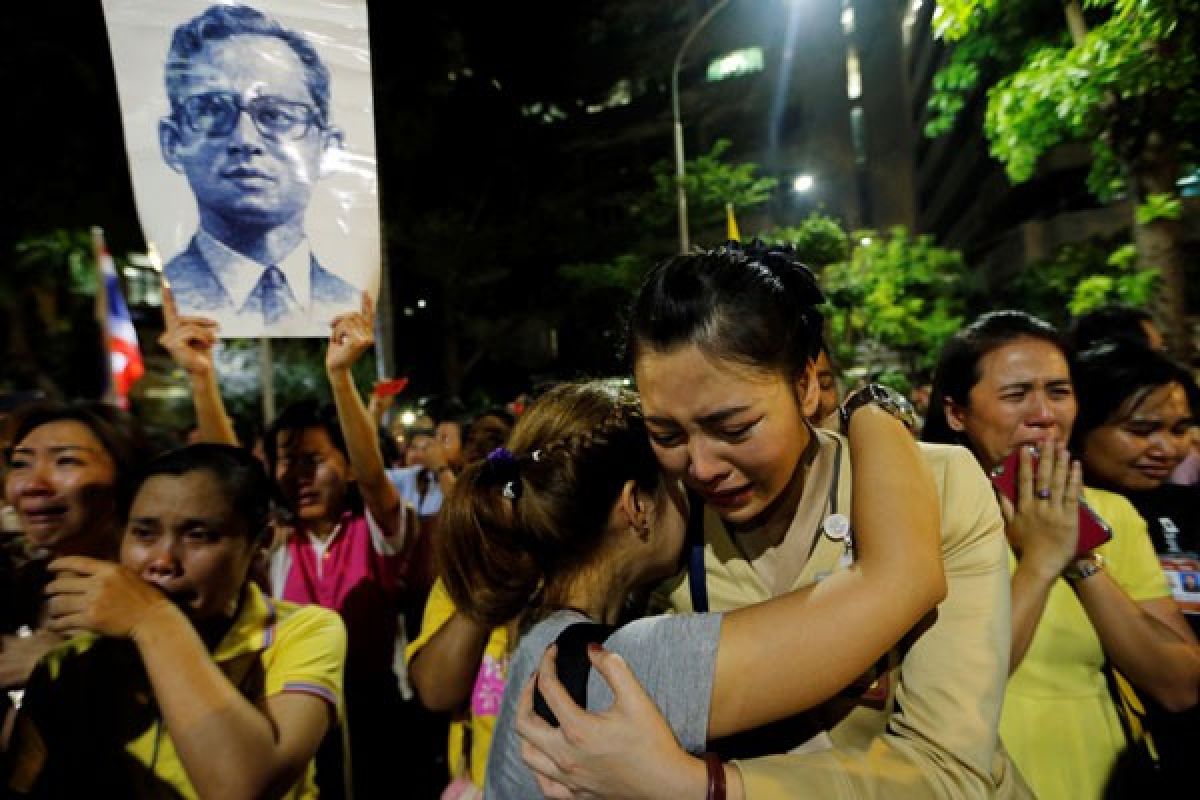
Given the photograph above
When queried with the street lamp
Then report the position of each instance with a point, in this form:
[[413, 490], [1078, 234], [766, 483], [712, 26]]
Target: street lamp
[[680, 193]]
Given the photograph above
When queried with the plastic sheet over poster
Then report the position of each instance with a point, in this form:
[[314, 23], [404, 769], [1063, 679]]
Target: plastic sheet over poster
[[251, 144]]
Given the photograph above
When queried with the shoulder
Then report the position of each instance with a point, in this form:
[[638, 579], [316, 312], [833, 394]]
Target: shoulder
[[193, 281], [327, 287], [1115, 509], [62, 656], [309, 624]]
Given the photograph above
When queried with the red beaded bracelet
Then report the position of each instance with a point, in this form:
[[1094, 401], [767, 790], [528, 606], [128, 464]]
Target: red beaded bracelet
[[716, 776]]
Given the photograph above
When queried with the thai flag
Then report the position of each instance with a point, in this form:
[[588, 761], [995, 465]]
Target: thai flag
[[124, 355]]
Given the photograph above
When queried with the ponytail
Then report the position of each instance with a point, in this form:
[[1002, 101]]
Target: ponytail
[[519, 525]]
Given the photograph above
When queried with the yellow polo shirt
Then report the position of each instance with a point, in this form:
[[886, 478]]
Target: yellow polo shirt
[[477, 724], [89, 704]]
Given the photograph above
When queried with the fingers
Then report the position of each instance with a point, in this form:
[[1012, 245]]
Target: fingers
[[1062, 470], [67, 583], [170, 312], [1074, 489], [616, 673], [368, 307], [80, 565], [1024, 476], [1045, 469], [530, 726], [60, 606]]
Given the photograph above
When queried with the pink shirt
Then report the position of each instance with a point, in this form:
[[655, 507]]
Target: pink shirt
[[355, 572]]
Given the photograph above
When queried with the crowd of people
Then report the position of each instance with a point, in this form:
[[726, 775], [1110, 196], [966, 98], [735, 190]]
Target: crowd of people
[[736, 580]]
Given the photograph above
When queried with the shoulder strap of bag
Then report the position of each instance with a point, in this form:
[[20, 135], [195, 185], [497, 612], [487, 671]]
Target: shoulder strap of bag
[[572, 664]]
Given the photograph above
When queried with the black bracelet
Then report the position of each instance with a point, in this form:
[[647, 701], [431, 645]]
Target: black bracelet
[[716, 777]]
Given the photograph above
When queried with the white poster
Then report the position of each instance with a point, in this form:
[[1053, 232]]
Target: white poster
[[251, 145]]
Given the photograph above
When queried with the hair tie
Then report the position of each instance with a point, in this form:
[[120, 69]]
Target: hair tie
[[500, 468]]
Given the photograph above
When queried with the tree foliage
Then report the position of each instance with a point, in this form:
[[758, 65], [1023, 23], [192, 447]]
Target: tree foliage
[[1134, 75], [895, 300]]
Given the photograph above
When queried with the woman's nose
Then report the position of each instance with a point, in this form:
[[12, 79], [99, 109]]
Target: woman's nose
[[703, 466]]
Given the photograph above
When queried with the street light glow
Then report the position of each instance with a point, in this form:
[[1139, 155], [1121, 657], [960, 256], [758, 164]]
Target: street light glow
[[803, 183], [421, 303], [407, 418]]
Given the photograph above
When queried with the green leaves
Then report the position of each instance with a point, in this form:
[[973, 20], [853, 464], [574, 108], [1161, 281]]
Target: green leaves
[[1159, 206]]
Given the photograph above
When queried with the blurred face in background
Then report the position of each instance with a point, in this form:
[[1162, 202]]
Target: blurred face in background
[[449, 436], [312, 473], [418, 448], [61, 481], [1024, 396], [1143, 443], [828, 398]]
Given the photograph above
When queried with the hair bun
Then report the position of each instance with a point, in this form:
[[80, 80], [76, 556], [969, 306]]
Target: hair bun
[[781, 261]]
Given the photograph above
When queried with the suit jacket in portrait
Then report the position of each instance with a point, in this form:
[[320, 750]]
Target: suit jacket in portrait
[[198, 291]]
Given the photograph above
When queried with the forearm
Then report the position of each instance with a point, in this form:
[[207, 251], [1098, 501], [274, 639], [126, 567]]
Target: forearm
[[213, 423], [226, 744], [1155, 658], [1031, 587], [362, 444], [830, 633], [443, 671]]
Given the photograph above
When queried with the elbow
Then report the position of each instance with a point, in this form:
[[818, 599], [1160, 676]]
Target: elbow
[[439, 696], [1178, 697]]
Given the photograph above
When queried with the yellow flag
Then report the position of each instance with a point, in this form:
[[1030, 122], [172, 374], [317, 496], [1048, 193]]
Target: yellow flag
[[731, 228]]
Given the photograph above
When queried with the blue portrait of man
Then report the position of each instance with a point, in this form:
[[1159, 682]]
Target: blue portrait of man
[[249, 127]]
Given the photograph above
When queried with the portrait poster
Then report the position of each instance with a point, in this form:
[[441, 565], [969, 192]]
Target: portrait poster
[[250, 135]]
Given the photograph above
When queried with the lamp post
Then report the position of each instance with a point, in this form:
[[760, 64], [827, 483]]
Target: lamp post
[[680, 192]]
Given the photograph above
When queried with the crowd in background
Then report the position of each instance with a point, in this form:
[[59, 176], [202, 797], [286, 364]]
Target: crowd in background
[[344, 606]]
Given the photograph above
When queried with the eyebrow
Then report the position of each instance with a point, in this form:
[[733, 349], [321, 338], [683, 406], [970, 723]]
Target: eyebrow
[[58, 448], [1056, 383], [710, 418]]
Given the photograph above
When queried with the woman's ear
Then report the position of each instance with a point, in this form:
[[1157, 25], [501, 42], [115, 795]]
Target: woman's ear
[[635, 507], [956, 414], [807, 390]]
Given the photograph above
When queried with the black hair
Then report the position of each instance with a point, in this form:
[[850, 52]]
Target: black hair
[[1107, 323], [220, 22], [753, 304], [307, 415], [241, 476], [957, 369], [1114, 378], [119, 434]]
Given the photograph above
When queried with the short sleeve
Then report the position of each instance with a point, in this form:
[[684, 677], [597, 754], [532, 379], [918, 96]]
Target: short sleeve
[[1129, 556], [309, 655], [674, 658], [439, 608]]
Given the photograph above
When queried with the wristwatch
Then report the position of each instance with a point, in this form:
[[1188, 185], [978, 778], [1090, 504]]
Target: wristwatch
[[1083, 568], [889, 400]]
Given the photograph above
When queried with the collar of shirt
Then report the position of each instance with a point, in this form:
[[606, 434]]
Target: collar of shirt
[[239, 274]]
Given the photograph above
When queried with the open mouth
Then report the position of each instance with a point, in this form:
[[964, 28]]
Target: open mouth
[[45, 516], [729, 498]]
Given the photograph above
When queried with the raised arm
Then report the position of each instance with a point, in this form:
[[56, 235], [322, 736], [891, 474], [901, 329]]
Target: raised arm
[[230, 747], [190, 341], [830, 633], [352, 335]]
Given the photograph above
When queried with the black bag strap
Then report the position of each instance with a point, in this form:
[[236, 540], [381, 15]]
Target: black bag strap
[[697, 585], [572, 664], [695, 553]]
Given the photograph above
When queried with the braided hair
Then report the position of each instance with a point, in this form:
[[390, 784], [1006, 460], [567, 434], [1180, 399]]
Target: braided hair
[[522, 522]]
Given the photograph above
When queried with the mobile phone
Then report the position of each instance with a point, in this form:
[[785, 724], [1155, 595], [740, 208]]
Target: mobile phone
[[1093, 531], [389, 388]]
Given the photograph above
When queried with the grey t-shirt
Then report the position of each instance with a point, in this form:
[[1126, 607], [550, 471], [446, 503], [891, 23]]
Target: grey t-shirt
[[673, 657]]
